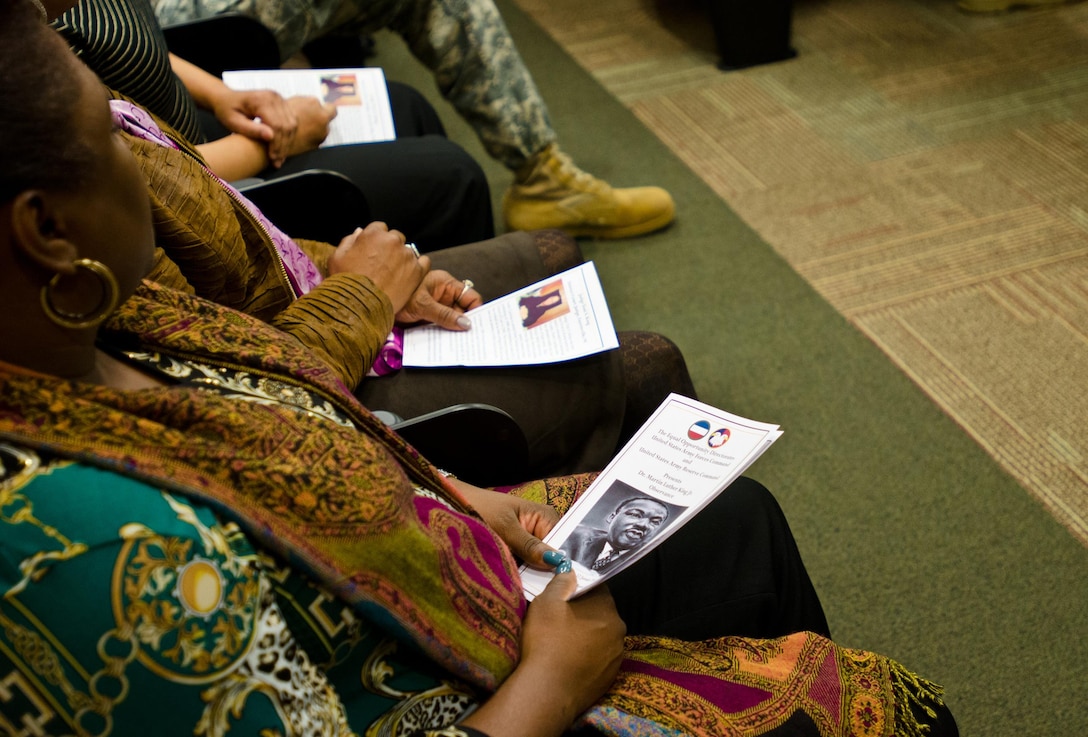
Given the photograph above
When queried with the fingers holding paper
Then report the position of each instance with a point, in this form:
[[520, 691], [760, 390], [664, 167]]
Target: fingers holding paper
[[519, 522], [442, 300]]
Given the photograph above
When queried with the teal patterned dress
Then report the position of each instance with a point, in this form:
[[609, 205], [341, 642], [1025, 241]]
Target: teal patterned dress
[[171, 618]]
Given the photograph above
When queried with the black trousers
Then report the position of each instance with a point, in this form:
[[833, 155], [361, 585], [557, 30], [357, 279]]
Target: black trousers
[[422, 184]]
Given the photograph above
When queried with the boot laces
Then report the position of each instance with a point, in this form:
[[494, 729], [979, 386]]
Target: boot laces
[[575, 177]]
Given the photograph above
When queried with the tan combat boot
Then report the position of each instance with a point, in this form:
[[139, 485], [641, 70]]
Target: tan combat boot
[[551, 192]]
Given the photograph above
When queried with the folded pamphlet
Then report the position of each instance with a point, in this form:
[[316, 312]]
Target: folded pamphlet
[[683, 456]]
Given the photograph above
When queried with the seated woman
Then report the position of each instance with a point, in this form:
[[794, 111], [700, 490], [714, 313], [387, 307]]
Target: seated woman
[[422, 183], [247, 547]]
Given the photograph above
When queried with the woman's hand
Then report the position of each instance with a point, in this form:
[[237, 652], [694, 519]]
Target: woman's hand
[[314, 117], [262, 115], [379, 253], [591, 633], [570, 654], [441, 300], [289, 127], [520, 523]]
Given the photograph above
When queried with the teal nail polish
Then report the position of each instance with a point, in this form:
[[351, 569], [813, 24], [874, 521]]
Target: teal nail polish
[[554, 558], [563, 567]]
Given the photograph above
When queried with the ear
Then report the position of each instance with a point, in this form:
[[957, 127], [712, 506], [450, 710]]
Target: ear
[[37, 223]]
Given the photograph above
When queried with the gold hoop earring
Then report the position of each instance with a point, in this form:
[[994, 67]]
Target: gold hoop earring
[[111, 293]]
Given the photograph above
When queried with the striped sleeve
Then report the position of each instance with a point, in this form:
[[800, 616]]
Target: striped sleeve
[[121, 41]]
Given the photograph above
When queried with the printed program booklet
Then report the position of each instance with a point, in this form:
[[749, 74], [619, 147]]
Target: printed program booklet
[[683, 456], [557, 319], [363, 113]]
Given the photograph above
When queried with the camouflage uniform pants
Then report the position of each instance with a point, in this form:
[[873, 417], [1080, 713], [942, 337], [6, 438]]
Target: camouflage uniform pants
[[465, 43]]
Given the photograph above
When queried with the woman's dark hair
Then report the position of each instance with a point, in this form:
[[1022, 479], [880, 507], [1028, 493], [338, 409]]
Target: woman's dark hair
[[38, 92]]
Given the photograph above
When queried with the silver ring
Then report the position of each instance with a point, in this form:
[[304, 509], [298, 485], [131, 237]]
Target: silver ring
[[468, 286], [412, 247]]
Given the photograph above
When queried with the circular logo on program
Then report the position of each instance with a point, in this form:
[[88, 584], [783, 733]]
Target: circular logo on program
[[699, 430], [718, 438]]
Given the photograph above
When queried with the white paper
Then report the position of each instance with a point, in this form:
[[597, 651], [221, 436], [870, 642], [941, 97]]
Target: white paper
[[558, 319], [683, 456], [363, 113]]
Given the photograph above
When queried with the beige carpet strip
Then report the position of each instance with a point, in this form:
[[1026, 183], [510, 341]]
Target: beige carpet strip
[[924, 169]]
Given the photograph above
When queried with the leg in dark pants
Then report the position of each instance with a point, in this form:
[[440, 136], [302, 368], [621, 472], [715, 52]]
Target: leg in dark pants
[[427, 187]]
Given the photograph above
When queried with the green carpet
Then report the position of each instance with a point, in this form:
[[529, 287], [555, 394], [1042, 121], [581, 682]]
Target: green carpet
[[921, 547]]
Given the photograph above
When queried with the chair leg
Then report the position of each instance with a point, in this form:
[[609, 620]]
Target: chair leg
[[750, 33]]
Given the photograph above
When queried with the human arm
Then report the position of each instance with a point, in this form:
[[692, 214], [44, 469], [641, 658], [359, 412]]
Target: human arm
[[375, 252], [439, 299], [237, 156], [381, 255], [262, 115], [266, 128], [570, 654], [345, 321], [348, 316], [519, 522], [223, 258]]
